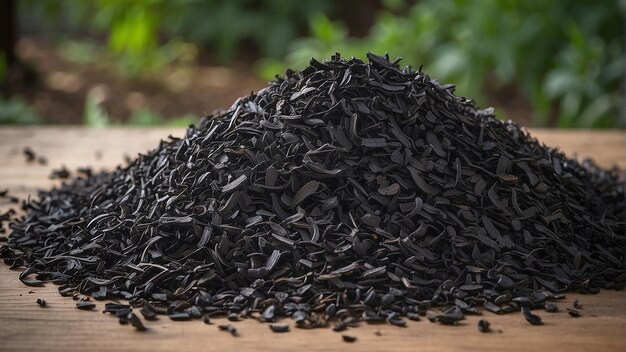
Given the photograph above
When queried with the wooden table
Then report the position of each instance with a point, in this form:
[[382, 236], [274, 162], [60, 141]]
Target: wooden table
[[24, 326]]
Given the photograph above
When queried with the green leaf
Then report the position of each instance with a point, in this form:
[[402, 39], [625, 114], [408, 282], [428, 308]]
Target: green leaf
[[145, 117], [326, 31], [570, 109], [450, 61], [183, 121], [268, 68], [559, 81], [598, 108], [95, 115]]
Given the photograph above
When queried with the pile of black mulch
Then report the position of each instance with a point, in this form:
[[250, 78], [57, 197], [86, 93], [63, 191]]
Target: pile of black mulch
[[350, 191]]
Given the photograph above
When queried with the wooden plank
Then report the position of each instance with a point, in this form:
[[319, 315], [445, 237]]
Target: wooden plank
[[61, 327]]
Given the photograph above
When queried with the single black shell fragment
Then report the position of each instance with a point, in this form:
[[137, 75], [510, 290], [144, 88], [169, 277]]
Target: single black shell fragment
[[279, 328], [85, 305], [483, 326], [573, 313], [148, 312], [136, 322], [229, 328], [530, 317]]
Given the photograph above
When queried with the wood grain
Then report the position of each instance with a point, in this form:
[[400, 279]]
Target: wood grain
[[24, 326]]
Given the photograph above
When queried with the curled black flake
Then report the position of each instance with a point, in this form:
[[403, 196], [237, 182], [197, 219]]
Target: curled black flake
[[305, 191], [235, 184], [530, 317]]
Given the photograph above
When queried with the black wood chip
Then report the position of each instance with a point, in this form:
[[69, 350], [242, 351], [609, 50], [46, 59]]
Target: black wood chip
[[483, 326], [85, 305], [349, 338]]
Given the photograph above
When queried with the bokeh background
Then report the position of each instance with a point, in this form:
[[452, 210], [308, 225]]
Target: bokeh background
[[557, 63]]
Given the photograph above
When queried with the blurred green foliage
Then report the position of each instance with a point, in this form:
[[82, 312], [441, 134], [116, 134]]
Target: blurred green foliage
[[227, 26], [563, 54], [15, 111], [133, 28], [147, 35], [153, 62], [565, 57], [96, 116], [148, 117], [133, 31]]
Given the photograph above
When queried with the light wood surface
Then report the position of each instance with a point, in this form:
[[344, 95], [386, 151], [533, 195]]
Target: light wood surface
[[24, 326]]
